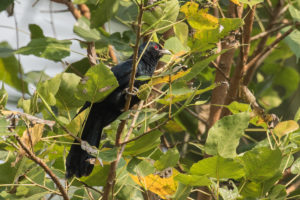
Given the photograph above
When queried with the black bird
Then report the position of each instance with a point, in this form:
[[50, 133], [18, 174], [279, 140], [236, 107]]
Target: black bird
[[103, 113]]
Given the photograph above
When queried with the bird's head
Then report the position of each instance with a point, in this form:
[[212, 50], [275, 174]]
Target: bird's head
[[153, 49]]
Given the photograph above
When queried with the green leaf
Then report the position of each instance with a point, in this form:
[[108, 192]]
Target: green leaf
[[292, 40], [297, 115], [98, 176], [181, 31], [108, 155], [143, 144], [288, 78], [224, 136], [140, 167], [9, 69], [252, 2], [65, 95], [49, 48], [198, 67], [295, 13], [36, 31], [79, 67], [103, 12], [5, 4], [192, 180], [269, 99], [98, 82], [237, 107], [285, 127], [7, 173], [295, 168], [169, 159], [161, 16], [261, 163], [3, 97], [5, 51], [82, 29], [127, 12], [229, 194], [218, 167], [278, 193], [182, 192], [49, 88], [4, 124]]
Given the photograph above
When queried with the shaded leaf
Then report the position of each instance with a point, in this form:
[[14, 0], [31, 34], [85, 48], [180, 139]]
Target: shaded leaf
[[295, 168], [98, 176], [169, 159], [261, 163], [140, 168], [103, 12], [49, 88], [108, 155], [98, 82]]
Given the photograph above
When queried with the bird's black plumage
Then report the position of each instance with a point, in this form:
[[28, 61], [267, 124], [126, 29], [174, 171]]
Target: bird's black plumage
[[103, 113]]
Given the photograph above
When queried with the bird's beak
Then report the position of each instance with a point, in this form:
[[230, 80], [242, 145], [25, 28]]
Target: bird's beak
[[164, 52]]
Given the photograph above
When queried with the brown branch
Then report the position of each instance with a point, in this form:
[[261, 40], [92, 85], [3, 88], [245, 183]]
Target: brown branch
[[244, 52], [38, 161], [85, 11], [293, 187], [269, 32], [225, 62], [112, 173], [75, 12], [112, 54]]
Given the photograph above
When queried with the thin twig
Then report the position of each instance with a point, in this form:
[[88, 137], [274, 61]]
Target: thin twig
[[38, 161], [112, 173]]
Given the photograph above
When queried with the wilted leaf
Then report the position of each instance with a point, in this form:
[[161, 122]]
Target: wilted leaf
[[285, 127], [224, 136], [218, 167], [163, 187], [98, 82]]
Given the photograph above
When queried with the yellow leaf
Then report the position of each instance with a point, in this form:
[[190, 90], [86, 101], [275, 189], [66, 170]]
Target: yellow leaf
[[199, 19], [286, 127], [236, 2], [166, 79], [163, 187]]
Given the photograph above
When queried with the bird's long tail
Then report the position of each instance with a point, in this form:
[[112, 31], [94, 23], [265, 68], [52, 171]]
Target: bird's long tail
[[77, 162]]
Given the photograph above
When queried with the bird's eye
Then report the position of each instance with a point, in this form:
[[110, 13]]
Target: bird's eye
[[155, 47]]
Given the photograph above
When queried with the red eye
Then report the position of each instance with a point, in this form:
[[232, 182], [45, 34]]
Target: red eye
[[155, 47]]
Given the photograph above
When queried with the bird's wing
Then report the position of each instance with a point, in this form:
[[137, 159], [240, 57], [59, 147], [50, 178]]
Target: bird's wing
[[122, 72]]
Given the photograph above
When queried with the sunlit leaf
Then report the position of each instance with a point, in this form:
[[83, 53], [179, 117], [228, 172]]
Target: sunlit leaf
[[49, 88], [163, 187], [218, 167], [285, 127], [193, 180], [224, 136], [295, 168], [82, 29], [251, 2]]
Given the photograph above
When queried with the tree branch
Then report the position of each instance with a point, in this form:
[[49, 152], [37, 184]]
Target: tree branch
[[38, 161], [112, 173]]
